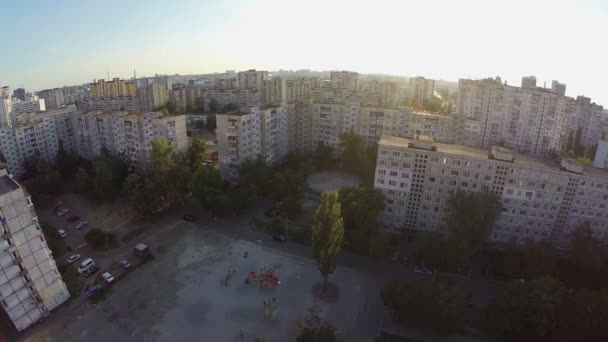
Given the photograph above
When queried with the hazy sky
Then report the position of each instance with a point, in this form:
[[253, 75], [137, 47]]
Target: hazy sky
[[54, 43]]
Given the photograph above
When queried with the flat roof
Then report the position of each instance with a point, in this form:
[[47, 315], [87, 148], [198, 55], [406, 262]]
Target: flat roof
[[480, 153], [7, 184]]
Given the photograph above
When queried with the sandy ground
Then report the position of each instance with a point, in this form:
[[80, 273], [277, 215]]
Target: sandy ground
[[179, 296], [331, 181]]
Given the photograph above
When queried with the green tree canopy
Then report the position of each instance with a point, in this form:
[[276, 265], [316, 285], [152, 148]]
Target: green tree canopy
[[327, 234], [313, 329], [324, 156], [526, 311], [196, 152], [213, 105], [434, 305], [583, 316], [211, 122]]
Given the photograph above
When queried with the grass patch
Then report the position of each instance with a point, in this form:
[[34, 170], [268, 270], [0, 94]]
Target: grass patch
[[100, 240]]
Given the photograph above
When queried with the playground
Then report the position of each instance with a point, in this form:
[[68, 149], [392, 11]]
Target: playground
[[205, 286]]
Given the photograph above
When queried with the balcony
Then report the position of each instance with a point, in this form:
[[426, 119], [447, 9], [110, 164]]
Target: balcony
[[17, 260], [10, 248], [6, 235]]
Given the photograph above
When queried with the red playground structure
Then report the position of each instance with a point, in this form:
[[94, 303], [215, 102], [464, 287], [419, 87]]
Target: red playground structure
[[265, 279]]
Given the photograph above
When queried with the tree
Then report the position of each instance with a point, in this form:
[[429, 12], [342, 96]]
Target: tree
[[98, 239], [570, 144], [206, 185], [82, 181], [539, 259], [583, 316], [470, 218], [327, 234], [436, 305], [66, 164], [213, 105], [133, 189], [102, 184], [199, 104], [324, 156], [211, 123], [584, 266], [257, 173], [360, 209], [313, 329], [578, 147], [292, 206], [587, 152], [525, 311], [277, 226], [171, 107], [196, 152], [356, 158]]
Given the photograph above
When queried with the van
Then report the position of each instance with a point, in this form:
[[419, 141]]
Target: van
[[86, 265]]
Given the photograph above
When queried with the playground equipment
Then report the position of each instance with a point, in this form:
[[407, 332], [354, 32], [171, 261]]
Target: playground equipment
[[265, 279]]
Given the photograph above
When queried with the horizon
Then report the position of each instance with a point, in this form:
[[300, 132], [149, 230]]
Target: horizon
[[483, 39]]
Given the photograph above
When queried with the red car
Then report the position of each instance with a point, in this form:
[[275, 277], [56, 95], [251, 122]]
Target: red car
[[73, 218]]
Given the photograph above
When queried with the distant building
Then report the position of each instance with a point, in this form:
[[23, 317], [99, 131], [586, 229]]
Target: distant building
[[558, 88], [601, 155], [28, 106], [114, 88], [344, 80], [421, 90], [186, 97], [19, 93], [252, 79], [53, 98], [110, 104], [30, 285], [528, 82], [151, 96]]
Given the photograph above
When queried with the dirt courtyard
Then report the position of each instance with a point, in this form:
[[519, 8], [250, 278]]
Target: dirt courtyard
[[331, 181], [180, 296]]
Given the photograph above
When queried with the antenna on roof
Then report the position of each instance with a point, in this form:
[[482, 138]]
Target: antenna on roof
[[108, 72], [134, 75]]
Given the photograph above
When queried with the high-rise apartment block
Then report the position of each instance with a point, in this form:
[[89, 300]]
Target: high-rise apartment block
[[88, 134], [30, 284], [19, 94], [109, 104], [601, 155], [529, 119], [252, 79], [347, 80], [34, 105], [186, 97], [420, 90], [558, 88], [114, 88], [541, 198], [151, 96], [53, 98], [246, 135]]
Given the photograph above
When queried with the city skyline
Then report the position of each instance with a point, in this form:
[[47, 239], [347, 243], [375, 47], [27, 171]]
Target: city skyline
[[208, 37]]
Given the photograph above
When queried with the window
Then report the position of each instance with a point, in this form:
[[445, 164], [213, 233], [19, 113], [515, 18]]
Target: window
[[384, 152], [405, 175], [394, 173], [381, 172], [392, 183], [432, 179], [396, 154], [380, 181]]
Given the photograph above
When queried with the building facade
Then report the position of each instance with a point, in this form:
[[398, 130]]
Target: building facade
[[114, 88], [541, 198], [110, 104], [420, 89], [30, 284], [151, 96]]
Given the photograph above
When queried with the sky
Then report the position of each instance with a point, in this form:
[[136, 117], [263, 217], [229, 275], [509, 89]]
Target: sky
[[66, 42]]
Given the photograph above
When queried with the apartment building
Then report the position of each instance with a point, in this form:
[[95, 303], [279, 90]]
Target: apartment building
[[541, 198], [252, 79], [275, 91], [27, 106], [36, 135], [151, 96], [238, 97], [6, 107], [558, 88], [298, 90], [53, 98], [346, 80], [421, 89], [185, 97], [588, 116], [245, 135], [110, 104], [601, 155], [19, 94], [114, 88], [30, 284]]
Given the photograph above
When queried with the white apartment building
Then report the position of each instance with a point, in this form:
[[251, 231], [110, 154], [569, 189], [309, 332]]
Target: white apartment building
[[346, 80], [110, 104], [53, 98], [36, 135], [528, 119], [541, 198], [601, 155], [252, 79], [421, 89], [246, 135], [275, 91], [28, 106], [30, 284]]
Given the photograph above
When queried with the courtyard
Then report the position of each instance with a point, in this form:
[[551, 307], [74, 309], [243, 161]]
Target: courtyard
[[180, 296]]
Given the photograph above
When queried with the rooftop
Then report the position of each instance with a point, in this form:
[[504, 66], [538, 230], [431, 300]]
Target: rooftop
[[7, 184], [474, 152]]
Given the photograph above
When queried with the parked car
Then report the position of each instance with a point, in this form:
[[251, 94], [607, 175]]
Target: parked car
[[73, 218], [280, 238], [125, 264], [189, 217], [94, 290], [61, 211], [424, 270], [82, 224], [86, 265], [91, 271], [62, 233], [73, 258], [108, 277], [404, 261], [395, 257]]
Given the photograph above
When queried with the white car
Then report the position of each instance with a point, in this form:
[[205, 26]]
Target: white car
[[82, 224], [108, 277], [73, 258], [62, 233]]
